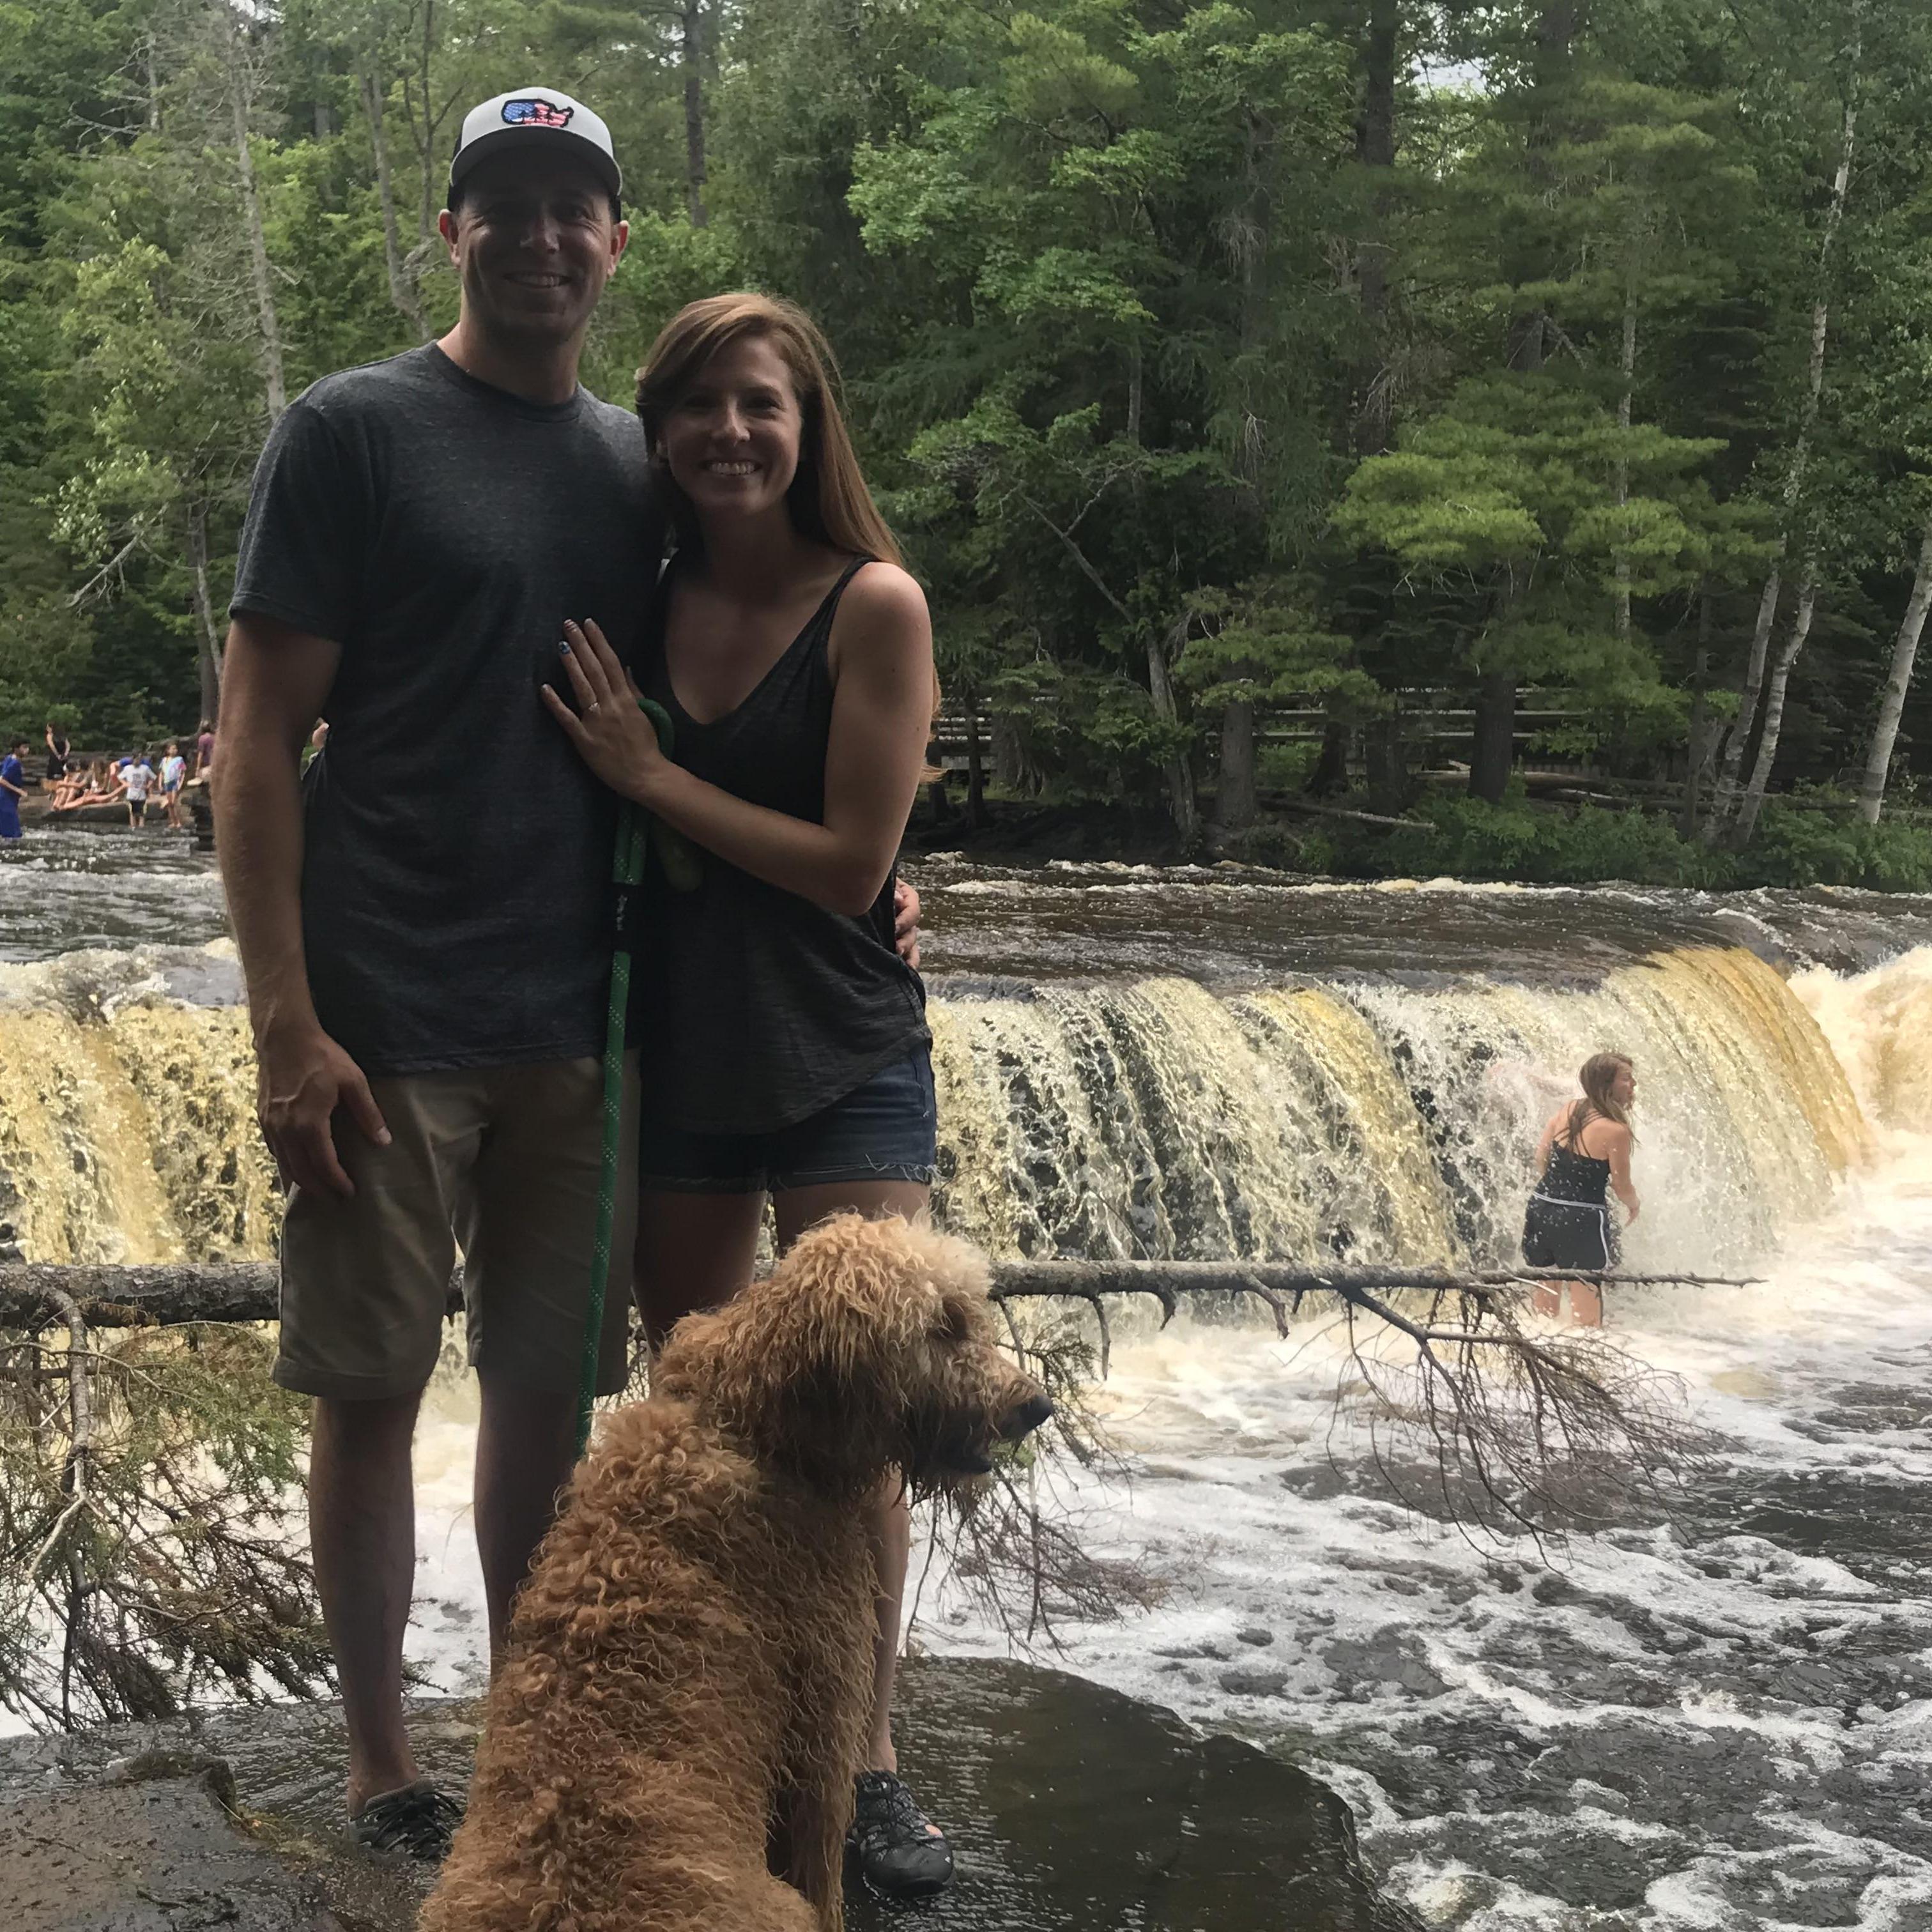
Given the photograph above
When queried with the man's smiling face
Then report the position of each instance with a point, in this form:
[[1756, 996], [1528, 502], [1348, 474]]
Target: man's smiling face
[[533, 242]]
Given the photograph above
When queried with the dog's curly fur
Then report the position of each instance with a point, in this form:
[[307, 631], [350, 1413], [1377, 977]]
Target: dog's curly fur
[[689, 1678]]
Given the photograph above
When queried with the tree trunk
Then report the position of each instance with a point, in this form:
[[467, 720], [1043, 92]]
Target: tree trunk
[[976, 769], [1179, 778], [1330, 775], [241, 95], [1529, 253], [1702, 741], [208, 635], [1749, 696], [165, 1294], [693, 63], [1752, 803], [1892, 706], [403, 291], [425, 137], [1745, 715], [1235, 806], [1375, 149], [1627, 382], [1384, 755], [1494, 751]]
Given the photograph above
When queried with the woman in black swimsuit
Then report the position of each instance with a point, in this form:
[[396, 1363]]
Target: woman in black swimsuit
[[1584, 1155]]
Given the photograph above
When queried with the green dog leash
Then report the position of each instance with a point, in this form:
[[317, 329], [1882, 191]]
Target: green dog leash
[[683, 869]]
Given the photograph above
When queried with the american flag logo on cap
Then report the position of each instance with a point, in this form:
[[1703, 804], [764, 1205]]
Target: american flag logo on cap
[[536, 114]]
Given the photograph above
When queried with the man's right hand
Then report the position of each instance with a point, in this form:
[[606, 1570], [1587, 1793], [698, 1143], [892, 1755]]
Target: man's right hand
[[303, 1078]]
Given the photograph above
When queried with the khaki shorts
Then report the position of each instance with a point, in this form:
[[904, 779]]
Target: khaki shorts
[[504, 1162]]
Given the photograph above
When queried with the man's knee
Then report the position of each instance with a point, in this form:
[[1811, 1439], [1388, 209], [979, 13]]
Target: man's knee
[[356, 1429]]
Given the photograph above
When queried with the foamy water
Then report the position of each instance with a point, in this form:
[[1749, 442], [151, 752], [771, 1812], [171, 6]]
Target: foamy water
[[1715, 1717]]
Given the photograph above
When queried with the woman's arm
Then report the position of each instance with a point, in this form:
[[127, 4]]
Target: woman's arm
[[1617, 1152], [881, 719]]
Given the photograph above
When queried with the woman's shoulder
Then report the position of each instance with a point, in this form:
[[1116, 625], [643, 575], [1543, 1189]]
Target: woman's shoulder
[[881, 616], [882, 592]]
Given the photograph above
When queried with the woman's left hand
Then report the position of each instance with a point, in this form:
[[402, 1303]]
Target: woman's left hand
[[609, 726]]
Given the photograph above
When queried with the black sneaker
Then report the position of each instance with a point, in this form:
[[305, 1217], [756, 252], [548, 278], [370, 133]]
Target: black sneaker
[[898, 1849], [418, 1821]]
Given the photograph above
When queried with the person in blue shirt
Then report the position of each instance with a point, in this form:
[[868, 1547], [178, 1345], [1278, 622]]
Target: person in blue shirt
[[12, 789]]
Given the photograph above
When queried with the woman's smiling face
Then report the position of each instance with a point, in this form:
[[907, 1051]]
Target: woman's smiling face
[[732, 439]]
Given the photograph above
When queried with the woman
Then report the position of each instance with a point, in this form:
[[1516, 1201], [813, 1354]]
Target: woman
[[1585, 1148], [784, 1039], [174, 775]]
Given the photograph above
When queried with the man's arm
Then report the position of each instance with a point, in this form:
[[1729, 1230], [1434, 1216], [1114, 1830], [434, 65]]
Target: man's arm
[[275, 681]]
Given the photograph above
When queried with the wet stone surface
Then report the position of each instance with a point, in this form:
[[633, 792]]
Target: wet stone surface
[[1068, 1807]]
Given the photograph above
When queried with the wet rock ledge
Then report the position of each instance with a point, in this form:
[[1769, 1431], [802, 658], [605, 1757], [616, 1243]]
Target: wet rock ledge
[[1070, 1806]]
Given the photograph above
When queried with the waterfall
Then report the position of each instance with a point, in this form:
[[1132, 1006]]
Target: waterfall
[[1377, 1121], [1367, 1120]]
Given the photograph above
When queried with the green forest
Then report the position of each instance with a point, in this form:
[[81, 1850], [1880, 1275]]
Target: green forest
[[1513, 420]]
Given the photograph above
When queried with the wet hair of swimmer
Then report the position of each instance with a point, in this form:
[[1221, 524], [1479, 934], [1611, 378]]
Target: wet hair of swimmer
[[1598, 1076]]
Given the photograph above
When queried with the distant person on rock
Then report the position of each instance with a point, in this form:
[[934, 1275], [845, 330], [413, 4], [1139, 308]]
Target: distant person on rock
[[73, 787], [174, 774], [428, 1005], [60, 748], [1584, 1156], [204, 752], [139, 777], [12, 789]]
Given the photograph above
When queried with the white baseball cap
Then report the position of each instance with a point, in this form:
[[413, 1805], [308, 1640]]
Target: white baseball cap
[[536, 118]]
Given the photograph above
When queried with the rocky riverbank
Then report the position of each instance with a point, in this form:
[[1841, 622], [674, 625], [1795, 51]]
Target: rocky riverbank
[[1069, 1806]]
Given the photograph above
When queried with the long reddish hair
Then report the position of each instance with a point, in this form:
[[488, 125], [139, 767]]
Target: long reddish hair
[[829, 500]]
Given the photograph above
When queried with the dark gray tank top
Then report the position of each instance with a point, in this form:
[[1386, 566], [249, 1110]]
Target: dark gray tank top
[[754, 1007]]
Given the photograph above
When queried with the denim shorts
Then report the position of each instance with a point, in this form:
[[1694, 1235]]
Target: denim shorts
[[886, 1129]]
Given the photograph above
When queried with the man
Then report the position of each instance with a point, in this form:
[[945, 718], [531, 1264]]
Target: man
[[12, 789], [428, 1004]]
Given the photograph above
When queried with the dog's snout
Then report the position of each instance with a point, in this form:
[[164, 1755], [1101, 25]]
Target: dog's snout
[[1028, 1417]]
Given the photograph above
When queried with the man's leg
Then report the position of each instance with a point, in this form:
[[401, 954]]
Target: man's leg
[[526, 1218], [363, 1280], [525, 1444], [362, 1514]]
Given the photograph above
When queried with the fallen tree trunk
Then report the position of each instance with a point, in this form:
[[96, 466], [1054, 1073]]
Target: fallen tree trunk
[[35, 1295]]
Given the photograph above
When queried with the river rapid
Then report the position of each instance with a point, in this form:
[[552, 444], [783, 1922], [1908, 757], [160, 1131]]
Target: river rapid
[[1713, 1711]]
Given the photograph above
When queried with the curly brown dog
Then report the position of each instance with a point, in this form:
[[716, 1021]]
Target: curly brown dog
[[683, 1704]]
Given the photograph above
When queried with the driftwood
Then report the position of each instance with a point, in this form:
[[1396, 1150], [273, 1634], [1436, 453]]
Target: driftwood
[[150, 1474], [35, 1295]]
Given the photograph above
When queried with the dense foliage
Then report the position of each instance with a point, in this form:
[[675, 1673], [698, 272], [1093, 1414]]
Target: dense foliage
[[1546, 378]]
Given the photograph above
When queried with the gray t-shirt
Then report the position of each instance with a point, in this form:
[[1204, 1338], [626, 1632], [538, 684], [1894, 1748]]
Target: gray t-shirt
[[456, 896]]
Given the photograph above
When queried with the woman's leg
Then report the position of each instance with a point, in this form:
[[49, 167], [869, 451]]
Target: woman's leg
[[889, 1515], [694, 1251]]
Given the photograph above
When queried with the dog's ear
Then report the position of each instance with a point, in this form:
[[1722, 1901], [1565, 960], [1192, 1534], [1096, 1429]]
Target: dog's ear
[[813, 1364]]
